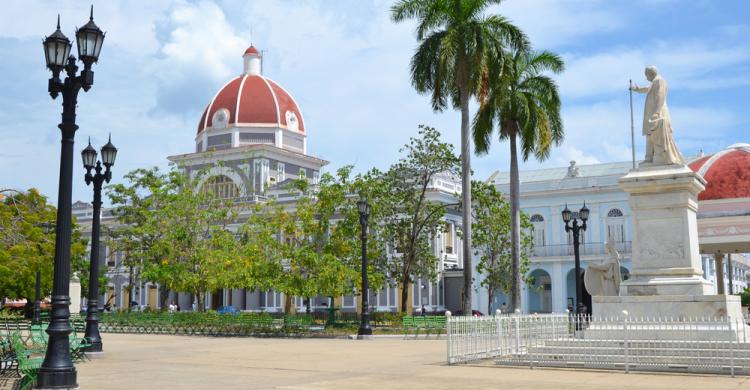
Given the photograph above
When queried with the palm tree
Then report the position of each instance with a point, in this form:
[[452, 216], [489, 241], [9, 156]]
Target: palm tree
[[456, 41], [524, 101]]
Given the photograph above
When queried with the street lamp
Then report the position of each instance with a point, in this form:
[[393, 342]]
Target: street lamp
[[57, 370], [574, 227], [365, 331], [109, 152]]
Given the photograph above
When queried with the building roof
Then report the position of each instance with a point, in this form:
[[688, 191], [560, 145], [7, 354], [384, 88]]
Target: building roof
[[253, 100], [549, 174], [727, 173]]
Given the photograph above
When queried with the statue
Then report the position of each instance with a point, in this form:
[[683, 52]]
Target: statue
[[604, 278], [573, 170], [657, 124]]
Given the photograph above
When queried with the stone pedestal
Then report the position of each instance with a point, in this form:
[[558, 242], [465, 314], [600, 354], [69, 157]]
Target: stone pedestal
[[666, 280], [678, 307], [666, 259], [75, 295]]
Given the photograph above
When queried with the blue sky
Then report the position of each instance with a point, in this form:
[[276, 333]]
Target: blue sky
[[346, 64]]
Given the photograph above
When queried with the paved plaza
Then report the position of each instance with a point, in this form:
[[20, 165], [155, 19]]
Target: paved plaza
[[175, 362]]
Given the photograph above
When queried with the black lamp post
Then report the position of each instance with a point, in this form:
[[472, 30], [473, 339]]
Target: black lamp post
[[109, 152], [365, 331], [38, 296], [574, 227], [57, 370]]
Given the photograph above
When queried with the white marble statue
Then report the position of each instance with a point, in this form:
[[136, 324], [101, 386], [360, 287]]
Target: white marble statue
[[657, 124], [604, 278]]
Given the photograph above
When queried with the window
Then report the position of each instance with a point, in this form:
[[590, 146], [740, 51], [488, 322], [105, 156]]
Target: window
[[280, 172], [218, 142], [448, 238], [615, 226], [221, 187], [538, 222], [261, 175], [110, 257], [316, 177], [302, 173]]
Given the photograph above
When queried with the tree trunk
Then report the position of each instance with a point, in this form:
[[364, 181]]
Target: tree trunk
[[404, 294], [131, 298], [490, 293], [515, 226], [199, 300], [287, 304], [466, 200], [163, 295]]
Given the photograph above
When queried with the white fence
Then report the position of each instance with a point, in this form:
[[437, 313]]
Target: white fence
[[716, 345]]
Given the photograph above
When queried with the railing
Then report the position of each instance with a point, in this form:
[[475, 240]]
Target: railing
[[701, 345], [586, 248], [476, 338]]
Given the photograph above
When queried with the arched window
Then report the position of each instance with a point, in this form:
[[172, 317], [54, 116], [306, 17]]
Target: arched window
[[615, 226], [221, 187], [538, 221]]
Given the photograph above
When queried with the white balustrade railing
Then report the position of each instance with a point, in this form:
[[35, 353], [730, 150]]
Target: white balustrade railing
[[708, 345]]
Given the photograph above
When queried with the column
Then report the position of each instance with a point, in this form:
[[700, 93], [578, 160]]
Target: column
[[719, 259], [559, 303]]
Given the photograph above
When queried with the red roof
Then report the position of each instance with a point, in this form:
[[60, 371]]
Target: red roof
[[727, 173], [253, 100], [251, 50]]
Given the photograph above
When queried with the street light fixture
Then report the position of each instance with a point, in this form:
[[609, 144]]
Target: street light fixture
[[109, 152], [57, 370], [571, 225], [365, 331]]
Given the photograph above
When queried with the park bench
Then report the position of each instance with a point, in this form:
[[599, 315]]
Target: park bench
[[8, 360], [28, 361], [428, 324]]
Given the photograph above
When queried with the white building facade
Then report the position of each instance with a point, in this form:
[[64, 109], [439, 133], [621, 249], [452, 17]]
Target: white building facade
[[546, 192]]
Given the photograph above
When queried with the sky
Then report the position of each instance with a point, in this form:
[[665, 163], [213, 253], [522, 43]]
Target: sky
[[347, 65]]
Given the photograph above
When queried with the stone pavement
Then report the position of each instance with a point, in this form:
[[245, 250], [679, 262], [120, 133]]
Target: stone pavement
[[177, 362]]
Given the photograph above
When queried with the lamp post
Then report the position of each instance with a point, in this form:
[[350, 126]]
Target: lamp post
[[109, 152], [574, 227], [57, 370], [38, 295], [365, 331]]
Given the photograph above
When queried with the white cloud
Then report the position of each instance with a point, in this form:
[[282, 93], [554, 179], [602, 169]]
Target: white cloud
[[686, 65], [554, 23]]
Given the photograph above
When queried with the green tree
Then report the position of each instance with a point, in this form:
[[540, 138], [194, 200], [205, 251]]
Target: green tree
[[309, 249], [412, 217], [456, 41], [492, 240], [27, 244], [139, 231], [179, 235], [524, 102]]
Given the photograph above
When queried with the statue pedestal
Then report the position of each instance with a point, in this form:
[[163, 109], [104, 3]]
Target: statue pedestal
[[666, 259], [75, 295], [679, 307], [667, 276]]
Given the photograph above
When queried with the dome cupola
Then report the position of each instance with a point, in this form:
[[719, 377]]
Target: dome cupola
[[255, 108], [727, 173]]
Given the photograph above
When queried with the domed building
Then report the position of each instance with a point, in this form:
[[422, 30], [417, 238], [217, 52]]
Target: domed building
[[724, 206], [256, 129]]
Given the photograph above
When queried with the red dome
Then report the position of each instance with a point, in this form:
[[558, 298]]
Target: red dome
[[251, 50], [254, 100], [727, 173]]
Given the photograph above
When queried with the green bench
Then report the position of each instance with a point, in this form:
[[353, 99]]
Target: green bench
[[28, 361], [428, 324]]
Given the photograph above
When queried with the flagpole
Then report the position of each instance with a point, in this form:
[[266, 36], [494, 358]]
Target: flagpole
[[632, 125]]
